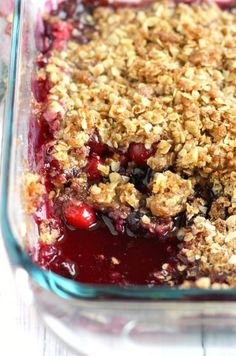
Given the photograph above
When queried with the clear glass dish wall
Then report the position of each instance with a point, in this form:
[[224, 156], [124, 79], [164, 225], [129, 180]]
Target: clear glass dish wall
[[129, 318]]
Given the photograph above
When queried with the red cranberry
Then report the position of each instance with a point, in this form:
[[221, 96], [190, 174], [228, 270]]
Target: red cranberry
[[62, 30], [139, 154], [92, 167], [96, 145], [80, 216]]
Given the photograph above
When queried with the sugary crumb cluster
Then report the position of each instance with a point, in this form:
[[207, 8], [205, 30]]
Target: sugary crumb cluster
[[33, 192], [156, 85]]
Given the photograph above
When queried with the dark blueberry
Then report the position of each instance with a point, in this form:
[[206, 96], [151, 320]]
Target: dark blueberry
[[183, 175], [105, 180], [204, 190], [141, 177], [129, 232], [133, 221], [75, 171], [180, 220], [133, 224], [177, 222], [109, 223], [122, 171]]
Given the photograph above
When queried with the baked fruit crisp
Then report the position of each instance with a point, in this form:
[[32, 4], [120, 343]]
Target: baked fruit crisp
[[134, 145]]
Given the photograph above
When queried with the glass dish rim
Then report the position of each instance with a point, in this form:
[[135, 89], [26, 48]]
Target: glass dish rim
[[61, 286]]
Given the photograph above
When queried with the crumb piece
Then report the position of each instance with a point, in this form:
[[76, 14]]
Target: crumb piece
[[145, 219], [170, 193], [115, 261], [115, 166], [219, 208], [33, 192], [104, 169], [203, 283], [114, 194], [128, 194], [232, 259], [181, 268], [49, 231], [195, 207]]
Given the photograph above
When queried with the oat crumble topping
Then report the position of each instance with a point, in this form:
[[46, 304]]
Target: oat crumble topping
[[170, 194], [33, 192], [164, 77]]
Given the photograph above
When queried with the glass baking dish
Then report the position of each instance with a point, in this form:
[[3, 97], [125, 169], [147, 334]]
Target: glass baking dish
[[129, 318]]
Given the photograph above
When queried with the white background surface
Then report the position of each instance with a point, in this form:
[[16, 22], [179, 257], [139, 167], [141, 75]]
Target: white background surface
[[22, 332]]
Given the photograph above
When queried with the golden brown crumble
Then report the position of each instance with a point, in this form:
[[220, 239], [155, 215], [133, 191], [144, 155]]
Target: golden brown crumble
[[170, 194], [163, 75], [33, 192], [49, 232], [114, 194]]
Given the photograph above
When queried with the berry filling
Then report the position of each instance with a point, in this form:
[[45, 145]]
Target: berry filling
[[79, 216], [96, 145], [139, 154], [92, 168]]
